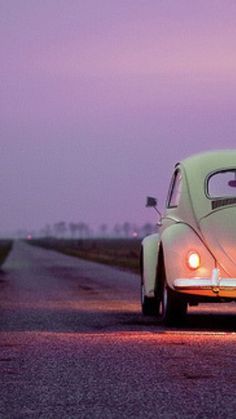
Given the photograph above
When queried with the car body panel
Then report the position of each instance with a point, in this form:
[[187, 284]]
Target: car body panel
[[219, 232], [178, 241], [195, 221], [198, 168], [150, 248]]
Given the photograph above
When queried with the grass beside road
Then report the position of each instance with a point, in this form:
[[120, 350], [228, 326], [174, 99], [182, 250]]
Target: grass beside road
[[117, 252], [5, 248]]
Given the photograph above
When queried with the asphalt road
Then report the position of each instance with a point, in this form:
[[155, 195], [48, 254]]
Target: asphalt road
[[73, 344]]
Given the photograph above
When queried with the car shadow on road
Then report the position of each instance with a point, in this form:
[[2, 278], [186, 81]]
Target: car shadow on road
[[192, 322], [221, 322]]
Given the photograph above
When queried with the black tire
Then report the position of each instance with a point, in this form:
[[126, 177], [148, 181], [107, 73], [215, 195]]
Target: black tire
[[172, 308], [147, 304]]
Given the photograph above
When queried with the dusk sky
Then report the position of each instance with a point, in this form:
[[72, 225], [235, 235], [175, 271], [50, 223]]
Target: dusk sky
[[100, 98]]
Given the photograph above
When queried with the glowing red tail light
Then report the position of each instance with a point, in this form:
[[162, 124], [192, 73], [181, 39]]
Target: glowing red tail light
[[193, 260]]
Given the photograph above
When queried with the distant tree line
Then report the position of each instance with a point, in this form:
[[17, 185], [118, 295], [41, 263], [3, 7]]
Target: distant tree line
[[82, 230]]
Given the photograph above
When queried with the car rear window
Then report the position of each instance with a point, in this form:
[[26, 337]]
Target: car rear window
[[222, 184]]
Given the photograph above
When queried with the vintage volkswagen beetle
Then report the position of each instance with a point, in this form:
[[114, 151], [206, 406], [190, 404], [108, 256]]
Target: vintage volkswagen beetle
[[192, 258]]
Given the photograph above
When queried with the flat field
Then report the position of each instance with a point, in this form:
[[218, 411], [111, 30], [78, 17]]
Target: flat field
[[119, 252], [5, 248]]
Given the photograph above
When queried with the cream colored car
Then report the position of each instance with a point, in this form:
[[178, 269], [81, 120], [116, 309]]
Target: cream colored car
[[193, 257]]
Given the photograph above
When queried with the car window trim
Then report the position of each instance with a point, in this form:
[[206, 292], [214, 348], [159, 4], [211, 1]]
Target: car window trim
[[171, 188], [206, 183]]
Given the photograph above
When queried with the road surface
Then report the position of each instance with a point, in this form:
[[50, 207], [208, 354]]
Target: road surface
[[74, 345]]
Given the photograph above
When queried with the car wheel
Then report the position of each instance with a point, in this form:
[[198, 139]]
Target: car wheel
[[147, 304], [172, 309]]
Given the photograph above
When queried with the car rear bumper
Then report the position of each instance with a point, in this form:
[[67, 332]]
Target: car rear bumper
[[223, 287]]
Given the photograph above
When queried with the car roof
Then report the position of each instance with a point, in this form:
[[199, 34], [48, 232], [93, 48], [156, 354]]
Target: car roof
[[197, 168]]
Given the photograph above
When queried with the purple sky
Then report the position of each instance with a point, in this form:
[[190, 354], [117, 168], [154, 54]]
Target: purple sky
[[100, 98]]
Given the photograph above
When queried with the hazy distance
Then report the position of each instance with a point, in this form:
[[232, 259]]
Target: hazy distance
[[99, 100]]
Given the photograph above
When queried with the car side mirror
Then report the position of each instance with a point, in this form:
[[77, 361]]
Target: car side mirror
[[151, 202]]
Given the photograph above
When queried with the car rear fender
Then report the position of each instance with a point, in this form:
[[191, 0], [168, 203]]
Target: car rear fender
[[149, 256], [178, 240]]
